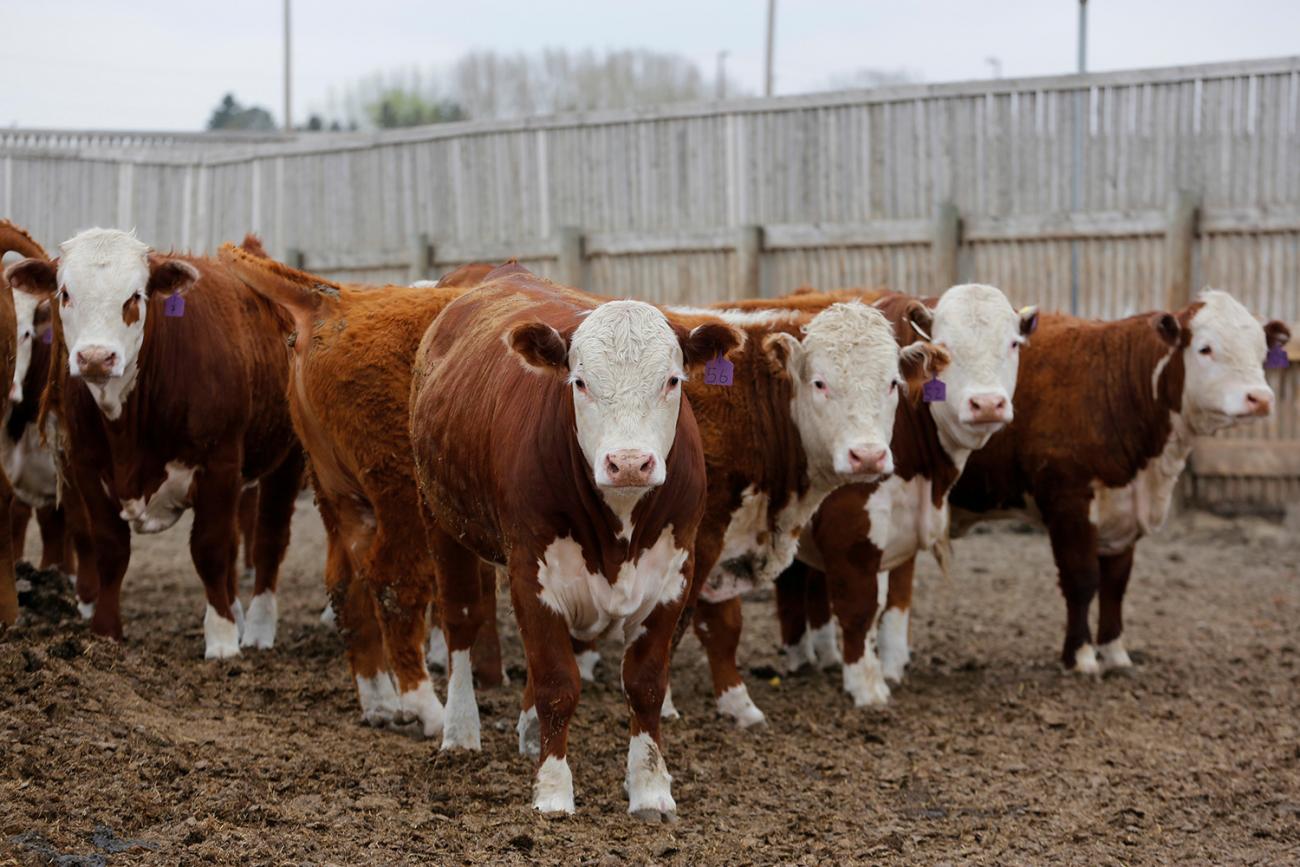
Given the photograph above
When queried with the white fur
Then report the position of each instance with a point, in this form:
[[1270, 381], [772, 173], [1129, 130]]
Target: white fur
[[796, 656], [260, 623], [587, 664], [461, 724], [86, 609], [904, 519], [378, 697], [237, 609], [160, 510], [1124, 515], [864, 680], [754, 552], [591, 605], [529, 730], [435, 653], [328, 617], [1085, 660], [29, 464], [894, 651], [1113, 655], [422, 704], [668, 710], [1215, 386], [25, 305], [825, 645], [220, 636], [739, 318], [553, 787], [735, 703], [649, 785]]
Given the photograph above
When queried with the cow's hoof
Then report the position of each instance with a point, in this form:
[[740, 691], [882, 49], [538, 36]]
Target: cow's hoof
[[736, 704], [648, 784], [668, 710], [86, 610], [220, 636], [655, 815], [1114, 657], [826, 646], [553, 788], [865, 683], [587, 664], [1085, 661], [422, 704], [260, 622]]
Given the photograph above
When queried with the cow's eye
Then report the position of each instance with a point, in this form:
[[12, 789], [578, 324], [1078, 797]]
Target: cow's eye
[[579, 385], [64, 298], [1206, 350], [1015, 345], [819, 384], [893, 386], [674, 381]]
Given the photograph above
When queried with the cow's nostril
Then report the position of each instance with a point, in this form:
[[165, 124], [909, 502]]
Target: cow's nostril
[[648, 465]]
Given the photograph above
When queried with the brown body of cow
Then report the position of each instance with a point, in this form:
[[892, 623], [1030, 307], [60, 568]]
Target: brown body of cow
[[349, 384], [8, 352], [209, 399]]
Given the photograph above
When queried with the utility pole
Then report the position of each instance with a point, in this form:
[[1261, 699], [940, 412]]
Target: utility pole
[[1080, 118], [771, 39], [288, 85], [722, 74]]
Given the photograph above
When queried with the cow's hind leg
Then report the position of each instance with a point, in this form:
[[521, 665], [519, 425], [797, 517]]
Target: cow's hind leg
[[895, 652], [460, 604], [854, 588], [792, 616], [248, 529], [1074, 547], [275, 497], [20, 515], [718, 626], [1115, 571], [822, 638]]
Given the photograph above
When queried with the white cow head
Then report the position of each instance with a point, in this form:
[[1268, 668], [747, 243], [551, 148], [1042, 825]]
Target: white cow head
[[848, 372], [101, 284], [25, 312], [1223, 356], [983, 335], [624, 364]]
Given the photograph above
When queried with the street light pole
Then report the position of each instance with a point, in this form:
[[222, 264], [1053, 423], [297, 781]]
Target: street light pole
[[1080, 118], [288, 84], [771, 38]]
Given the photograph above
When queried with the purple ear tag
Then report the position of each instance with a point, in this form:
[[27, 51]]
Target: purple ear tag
[[174, 305], [48, 336], [1277, 359], [934, 391], [718, 371]]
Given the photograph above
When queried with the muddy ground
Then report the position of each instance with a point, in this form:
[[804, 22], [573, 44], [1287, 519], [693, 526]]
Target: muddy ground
[[145, 753]]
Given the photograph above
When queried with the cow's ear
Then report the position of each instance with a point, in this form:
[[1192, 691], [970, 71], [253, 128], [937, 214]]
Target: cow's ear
[[170, 276], [708, 341], [1166, 325], [920, 317], [784, 353], [919, 362], [1277, 333], [37, 277], [1028, 320], [540, 346]]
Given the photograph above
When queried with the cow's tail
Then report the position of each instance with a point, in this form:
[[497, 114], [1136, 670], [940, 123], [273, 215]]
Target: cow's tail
[[302, 295], [14, 239]]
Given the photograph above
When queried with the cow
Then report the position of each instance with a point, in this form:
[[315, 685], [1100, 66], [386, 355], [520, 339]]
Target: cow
[[169, 380], [863, 529], [551, 438], [1106, 417], [349, 385], [8, 351], [812, 409]]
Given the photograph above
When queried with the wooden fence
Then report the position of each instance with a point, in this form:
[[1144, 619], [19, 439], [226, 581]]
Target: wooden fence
[[1189, 177]]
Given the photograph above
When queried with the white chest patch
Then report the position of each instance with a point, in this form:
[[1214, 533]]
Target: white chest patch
[[30, 466], [111, 395], [1124, 515], [158, 512], [592, 605], [753, 552], [904, 519]]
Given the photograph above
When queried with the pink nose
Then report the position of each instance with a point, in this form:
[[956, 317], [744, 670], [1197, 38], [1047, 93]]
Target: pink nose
[[988, 407], [1259, 402], [868, 459], [96, 362], [629, 467]]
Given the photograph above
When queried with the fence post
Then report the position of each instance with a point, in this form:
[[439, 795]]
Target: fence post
[[945, 242], [1180, 237], [572, 256], [747, 265], [421, 258], [294, 258]]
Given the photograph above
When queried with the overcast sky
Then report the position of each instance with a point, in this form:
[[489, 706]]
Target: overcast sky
[[164, 64]]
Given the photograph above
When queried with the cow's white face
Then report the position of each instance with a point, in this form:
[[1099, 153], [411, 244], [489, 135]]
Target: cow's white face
[[1223, 362], [983, 336], [102, 279], [25, 310], [846, 387]]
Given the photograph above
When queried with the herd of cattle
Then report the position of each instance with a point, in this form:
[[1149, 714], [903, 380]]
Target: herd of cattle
[[628, 468]]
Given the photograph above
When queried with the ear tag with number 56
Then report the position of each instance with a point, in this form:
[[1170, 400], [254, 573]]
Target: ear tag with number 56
[[719, 371]]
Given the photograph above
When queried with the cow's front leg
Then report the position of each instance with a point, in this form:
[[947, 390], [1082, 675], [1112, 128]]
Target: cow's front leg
[[895, 652], [823, 642], [854, 588], [645, 683], [1115, 570], [718, 626], [1074, 547], [552, 691], [214, 548], [105, 546]]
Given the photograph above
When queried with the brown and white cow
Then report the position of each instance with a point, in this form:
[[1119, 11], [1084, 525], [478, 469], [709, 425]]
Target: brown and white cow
[[863, 529], [8, 351], [170, 385], [349, 387], [551, 438], [812, 409], [1106, 416]]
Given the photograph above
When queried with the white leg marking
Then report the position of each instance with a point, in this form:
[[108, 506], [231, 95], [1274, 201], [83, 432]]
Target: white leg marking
[[237, 609], [327, 616], [736, 704], [587, 664], [894, 652], [220, 636], [460, 731], [553, 787], [530, 733], [422, 703], [86, 610], [1085, 660], [865, 681], [378, 699], [72, 579], [649, 786], [259, 626], [668, 710], [826, 645], [1113, 655], [435, 651], [798, 655]]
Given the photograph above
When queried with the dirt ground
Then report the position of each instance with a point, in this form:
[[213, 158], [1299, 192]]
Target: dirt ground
[[145, 753]]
